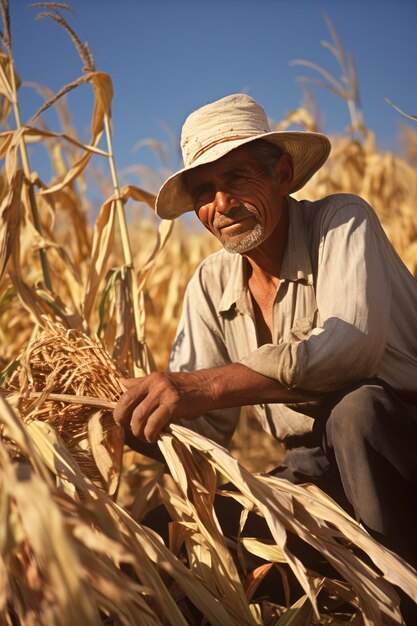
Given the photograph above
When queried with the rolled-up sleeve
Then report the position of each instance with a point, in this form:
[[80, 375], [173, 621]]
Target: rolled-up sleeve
[[199, 345], [353, 307]]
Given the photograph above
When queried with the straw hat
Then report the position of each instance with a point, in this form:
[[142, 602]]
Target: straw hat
[[214, 130]]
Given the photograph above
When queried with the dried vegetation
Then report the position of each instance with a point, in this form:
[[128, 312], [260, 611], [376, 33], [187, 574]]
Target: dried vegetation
[[73, 545]]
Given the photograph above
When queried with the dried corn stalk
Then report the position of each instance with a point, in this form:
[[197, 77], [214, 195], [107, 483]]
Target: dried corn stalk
[[61, 361]]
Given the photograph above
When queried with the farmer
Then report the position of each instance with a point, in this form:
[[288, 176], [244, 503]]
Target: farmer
[[307, 314]]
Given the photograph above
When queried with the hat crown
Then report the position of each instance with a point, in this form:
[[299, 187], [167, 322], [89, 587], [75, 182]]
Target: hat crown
[[233, 117]]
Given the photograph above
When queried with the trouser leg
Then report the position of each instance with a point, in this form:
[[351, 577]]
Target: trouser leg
[[372, 436], [364, 454]]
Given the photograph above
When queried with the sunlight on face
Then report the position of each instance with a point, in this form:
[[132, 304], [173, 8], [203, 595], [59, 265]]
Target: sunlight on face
[[236, 199]]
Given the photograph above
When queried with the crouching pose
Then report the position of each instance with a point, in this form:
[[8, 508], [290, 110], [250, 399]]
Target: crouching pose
[[307, 314]]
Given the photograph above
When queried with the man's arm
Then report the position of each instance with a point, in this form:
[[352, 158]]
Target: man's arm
[[353, 296], [163, 397]]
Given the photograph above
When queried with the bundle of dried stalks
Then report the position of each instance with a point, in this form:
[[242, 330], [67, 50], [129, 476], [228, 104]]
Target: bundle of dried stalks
[[61, 363]]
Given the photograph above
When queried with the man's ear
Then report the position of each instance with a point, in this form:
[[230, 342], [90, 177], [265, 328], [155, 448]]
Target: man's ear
[[284, 171]]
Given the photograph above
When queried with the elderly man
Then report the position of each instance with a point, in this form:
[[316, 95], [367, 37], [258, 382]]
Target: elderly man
[[307, 314]]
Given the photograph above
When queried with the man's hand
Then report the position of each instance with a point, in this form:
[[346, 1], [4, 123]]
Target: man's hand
[[155, 400]]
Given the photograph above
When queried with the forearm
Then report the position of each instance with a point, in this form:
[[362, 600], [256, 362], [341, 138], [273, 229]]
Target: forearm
[[237, 385]]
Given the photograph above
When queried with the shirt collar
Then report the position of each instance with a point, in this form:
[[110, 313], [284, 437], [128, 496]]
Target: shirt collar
[[236, 287], [296, 265]]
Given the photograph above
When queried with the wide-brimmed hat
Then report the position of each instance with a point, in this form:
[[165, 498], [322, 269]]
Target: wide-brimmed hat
[[214, 130]]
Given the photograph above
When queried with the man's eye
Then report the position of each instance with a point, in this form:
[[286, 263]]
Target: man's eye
[[239, 177], [204, 196]]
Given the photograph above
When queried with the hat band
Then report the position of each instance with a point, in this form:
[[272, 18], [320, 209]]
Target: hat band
[[211, 145]]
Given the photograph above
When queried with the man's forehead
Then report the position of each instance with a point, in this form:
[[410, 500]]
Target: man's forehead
[[235, 158]]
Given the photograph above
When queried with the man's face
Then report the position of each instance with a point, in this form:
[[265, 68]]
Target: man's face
[[237, 199]]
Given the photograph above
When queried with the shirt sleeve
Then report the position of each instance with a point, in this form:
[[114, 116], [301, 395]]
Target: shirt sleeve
[[199, 345], [353, 300]]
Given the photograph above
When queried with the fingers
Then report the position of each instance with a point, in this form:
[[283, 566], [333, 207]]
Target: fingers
[[135, 394], [149, 403], [140, 409], [141, 414], [150, 427]]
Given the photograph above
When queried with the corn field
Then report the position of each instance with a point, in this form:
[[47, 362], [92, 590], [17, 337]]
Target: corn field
[[80, 307]]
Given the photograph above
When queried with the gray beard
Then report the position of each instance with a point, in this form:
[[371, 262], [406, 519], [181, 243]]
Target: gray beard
[[249, 241]]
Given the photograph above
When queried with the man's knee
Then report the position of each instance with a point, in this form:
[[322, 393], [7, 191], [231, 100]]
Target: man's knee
[[356, 415]]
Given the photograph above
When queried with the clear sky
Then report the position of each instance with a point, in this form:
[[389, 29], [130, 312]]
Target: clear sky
[[167, 57]]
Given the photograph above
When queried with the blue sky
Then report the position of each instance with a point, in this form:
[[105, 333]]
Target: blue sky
[[167, 57]]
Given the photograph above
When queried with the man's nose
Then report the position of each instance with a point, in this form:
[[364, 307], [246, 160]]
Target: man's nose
[[224, 201]]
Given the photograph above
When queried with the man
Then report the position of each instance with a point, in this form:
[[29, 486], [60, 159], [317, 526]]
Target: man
[[307, 314]]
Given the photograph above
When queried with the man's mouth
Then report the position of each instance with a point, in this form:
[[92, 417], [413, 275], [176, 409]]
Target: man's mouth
[[232, 225]]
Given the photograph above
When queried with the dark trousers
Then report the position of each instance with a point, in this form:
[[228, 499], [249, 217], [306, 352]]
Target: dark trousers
[[363, 452]]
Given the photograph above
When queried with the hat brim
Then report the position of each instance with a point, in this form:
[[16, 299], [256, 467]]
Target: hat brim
[[308, 151]]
